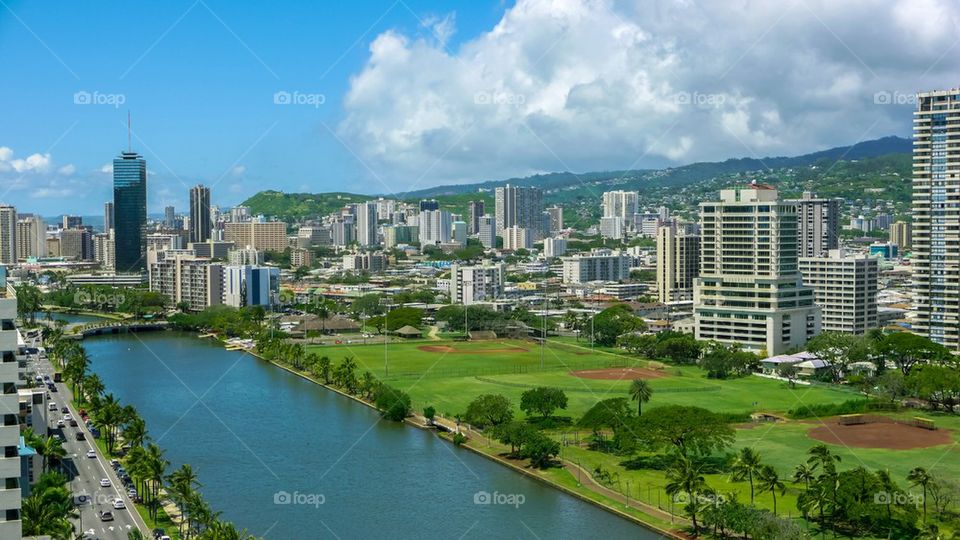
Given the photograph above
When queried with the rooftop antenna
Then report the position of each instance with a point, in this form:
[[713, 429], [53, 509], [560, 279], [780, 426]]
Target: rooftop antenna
[[129, 131]]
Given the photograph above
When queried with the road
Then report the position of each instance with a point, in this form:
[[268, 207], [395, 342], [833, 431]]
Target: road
[[85, 473]]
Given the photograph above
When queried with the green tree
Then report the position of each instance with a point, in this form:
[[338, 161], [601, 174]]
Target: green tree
[[489, 410], [745, 467], [684, 476], [906, 350], [919, 476], [613, 322], [687, 429], [393, 403], [540, 450], [769, 480], [641, 392], [543, 400]]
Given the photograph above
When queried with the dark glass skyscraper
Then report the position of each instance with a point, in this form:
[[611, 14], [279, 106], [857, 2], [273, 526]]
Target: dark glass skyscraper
[[199, 213], [130, 211]]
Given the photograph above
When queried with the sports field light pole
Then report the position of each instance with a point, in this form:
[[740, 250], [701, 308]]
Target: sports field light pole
[[386, 338]]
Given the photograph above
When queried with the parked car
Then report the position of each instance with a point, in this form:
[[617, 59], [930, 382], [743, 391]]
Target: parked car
[[157, 533], [104, 482], [106, 515], [80, 436]]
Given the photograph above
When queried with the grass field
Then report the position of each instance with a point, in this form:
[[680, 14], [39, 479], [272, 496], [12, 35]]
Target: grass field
[[450, 380]]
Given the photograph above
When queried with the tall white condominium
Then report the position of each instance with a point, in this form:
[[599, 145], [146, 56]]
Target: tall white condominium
[[519, 207], [556, 219], [367, 224], [611, 227], [435, 227], [487, 231], [31, 237], [818, 225], [936, 216], [517, 238], [10, 526], [622, 204], [472, 284], [750, 291], [678, 264], [845, 289], [8, 234]]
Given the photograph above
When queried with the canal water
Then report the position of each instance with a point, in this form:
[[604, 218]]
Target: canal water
[[69, 318], [285, 458]]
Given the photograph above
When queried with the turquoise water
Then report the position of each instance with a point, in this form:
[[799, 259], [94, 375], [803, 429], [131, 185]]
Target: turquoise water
[[255, 432]]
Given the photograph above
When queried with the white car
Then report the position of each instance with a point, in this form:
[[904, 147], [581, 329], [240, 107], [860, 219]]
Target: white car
[[67, 417], [91, 453], [118, 504], [104, 482]]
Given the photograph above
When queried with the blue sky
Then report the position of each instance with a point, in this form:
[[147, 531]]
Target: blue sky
[[199, 80], [420, 93]]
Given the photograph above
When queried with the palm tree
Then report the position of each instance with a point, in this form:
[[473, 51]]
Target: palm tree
[[135, 432], [156, 465], [93, 387], [182, 482], [804, 473], [920, 477], [641, 392], [770, 481], [745, 467], [324, 368], [686, 477]]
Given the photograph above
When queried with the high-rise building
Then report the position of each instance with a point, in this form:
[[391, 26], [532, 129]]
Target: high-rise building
[[435, 227], [556, 219], [262, 235], [678, 264], [900, 233], [170, 217], [459, 232], [621, 204], [107, 216], [517, 238], [77, 244], [239, 214], [519, 207], [10, 466], [31, 236], [185, 278], [395, 235], [71, 222], [845, 288], [367, 224], [200, 224], [246, 256], [251, 286], [429, 204], [104, 251], [130, 211], [8, 235], [936, 217], [611, 227], [554, 247], [473, 284], [368, 262], [487, 231], [818, 224], [598, 265], [476, 212], [750, 291]]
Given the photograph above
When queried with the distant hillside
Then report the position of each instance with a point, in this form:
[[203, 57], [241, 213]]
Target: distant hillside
[[843, 171]]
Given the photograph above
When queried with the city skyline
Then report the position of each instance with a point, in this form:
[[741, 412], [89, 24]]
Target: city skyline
[[329, 139]]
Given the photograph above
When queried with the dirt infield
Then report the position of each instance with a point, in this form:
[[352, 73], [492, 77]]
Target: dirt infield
[[449, 349], [884, 435], [618, 374]]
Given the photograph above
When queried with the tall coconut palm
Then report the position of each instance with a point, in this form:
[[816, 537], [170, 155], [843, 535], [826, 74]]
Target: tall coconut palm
[[135, 432], [769, 480], [686, 477], [804, 473], [156, 467], [641, 392], [919, 476], [745, 467]]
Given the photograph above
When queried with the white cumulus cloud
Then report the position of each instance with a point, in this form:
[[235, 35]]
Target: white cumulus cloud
[[601, 84]]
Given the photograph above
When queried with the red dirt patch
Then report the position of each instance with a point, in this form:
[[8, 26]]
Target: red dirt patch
[[886, 435], [449, 349], [618, 374]]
